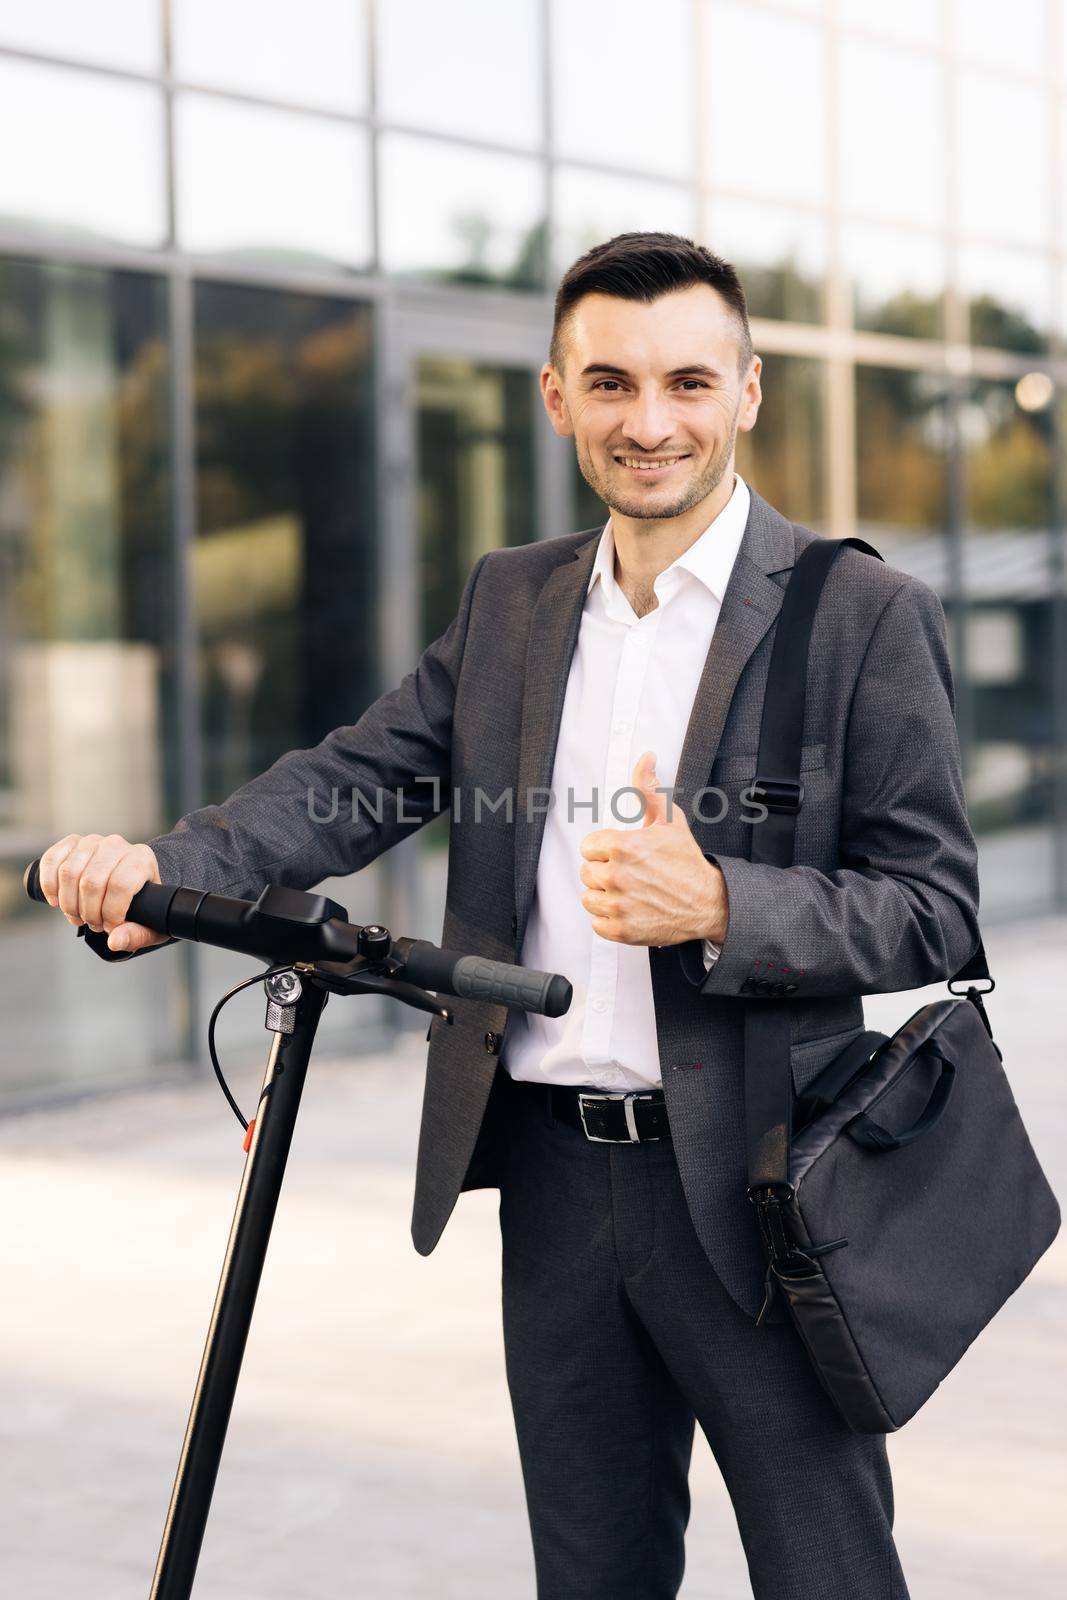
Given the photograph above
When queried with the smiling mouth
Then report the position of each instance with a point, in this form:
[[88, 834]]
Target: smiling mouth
[[649, 463]]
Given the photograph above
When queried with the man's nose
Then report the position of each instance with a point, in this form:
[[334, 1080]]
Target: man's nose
[[648, 420]]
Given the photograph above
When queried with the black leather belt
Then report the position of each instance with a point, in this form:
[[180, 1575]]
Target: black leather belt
[[604, 1116]]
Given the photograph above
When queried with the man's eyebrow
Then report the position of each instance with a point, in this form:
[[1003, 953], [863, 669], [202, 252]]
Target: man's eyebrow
[[696, 369]]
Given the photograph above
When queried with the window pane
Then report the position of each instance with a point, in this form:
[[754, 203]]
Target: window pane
[[898, 280], [476, 474], [90, 154], [902, 444], [314, 52], [907, 19], [606, 103], [983, 31], [774, 144], [902, 176], [480, 216], [1007, 575], [115, 33], [432, 67], [1010, 293], [285, 548], [284, 566], [271, 183], [87, 665], [592, 207], [1003, 180], [780, 254], [476, 492], [782, 457]]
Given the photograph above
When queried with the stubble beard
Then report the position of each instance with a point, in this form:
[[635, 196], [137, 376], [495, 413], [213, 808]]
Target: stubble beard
[[639, 507]]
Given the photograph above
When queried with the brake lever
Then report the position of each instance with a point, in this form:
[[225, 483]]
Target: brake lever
[[356, 977]]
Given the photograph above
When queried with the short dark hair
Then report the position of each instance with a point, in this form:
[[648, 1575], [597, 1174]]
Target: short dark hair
[[644, 266]]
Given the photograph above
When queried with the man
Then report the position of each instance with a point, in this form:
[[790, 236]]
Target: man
[[608, 681]]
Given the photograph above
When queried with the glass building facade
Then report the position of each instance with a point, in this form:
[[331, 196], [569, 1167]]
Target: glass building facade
[[275, 287]]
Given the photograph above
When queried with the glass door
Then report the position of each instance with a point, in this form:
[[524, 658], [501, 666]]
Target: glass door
[[470, 464]]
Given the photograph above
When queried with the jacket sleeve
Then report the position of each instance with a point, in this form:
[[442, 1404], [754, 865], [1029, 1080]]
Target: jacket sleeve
[[901, 910], [332, 809]]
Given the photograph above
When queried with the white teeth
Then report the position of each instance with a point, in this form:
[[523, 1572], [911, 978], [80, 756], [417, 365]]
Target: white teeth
[[648, 466]]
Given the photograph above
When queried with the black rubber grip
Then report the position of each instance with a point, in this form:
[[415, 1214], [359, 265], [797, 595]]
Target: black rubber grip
[[148, 908], [478, 978]]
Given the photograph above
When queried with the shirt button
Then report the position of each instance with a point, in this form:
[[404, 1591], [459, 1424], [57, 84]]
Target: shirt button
[[621, 727], [599, 1005]]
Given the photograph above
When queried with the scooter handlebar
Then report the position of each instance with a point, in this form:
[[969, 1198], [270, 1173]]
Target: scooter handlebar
[[273, 928]]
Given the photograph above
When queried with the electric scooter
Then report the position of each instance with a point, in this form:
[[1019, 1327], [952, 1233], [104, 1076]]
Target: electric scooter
[[311, 951]]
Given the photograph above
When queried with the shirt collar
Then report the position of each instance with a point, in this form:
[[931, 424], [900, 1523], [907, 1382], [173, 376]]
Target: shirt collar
[[710, 557]]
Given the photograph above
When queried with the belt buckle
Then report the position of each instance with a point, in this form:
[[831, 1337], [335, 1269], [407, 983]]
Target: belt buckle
[[627, 1096]]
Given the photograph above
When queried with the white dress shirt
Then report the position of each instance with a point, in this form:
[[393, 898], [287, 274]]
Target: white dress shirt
[[631, 688]]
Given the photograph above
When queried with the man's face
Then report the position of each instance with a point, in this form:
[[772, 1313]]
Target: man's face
[[656, 384]]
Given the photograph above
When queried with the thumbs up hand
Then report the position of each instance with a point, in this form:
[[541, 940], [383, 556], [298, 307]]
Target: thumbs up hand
[[652, 885]]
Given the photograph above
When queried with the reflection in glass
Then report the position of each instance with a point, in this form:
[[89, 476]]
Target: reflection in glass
[[898, 280], [284, 557], [591, 207], [1007, 556], [902, 443], [431, 66], [284, 568], [271, 184], [476, 492], [902, 176], [476, 474], [917, 20], [780, 254], [313, 53], [1010, 294], [90, 154], [983, 31], [87, 667], [607, 105], [479, 218], [783, 455], [1002, 154], [114, 33], [775, 144]]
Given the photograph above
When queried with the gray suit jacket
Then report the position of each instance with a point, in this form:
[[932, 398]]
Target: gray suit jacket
[[883, 895]]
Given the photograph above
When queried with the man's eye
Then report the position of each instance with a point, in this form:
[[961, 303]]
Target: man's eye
[[697, 382]]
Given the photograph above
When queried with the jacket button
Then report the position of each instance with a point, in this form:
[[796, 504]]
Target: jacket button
[[764, 986], [779, 988], [790, 988], [514, 925], [492, 1043]]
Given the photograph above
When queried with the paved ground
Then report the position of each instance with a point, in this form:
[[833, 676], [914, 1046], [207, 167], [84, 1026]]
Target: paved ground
[[371, 1451]]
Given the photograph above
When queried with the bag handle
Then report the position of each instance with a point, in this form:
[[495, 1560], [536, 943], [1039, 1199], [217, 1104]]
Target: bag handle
[[872, 1136]]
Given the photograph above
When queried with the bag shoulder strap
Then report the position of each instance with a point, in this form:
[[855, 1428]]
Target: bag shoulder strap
[[768, 1080]]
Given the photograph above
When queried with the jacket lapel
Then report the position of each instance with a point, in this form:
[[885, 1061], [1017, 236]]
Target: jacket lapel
[[750, 605]]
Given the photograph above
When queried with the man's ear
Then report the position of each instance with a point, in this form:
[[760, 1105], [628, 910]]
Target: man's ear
[[555, 401], [751, 397]]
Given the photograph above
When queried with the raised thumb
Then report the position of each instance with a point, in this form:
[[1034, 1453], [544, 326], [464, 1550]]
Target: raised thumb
[[646, 780]]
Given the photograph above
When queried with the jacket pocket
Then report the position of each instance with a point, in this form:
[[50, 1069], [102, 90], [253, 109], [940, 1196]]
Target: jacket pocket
[[731, 765]]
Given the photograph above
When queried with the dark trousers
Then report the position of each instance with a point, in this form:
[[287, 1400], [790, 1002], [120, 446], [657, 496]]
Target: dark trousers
[[618, 1337]]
